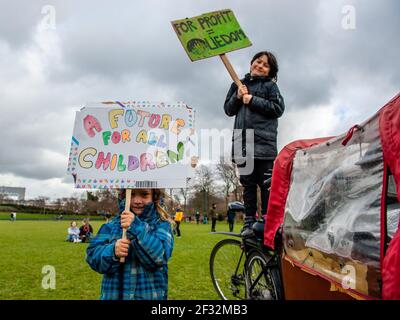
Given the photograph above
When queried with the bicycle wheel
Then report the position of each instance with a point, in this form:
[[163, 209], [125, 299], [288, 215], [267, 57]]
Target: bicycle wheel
[[227, 262], [263, 283]]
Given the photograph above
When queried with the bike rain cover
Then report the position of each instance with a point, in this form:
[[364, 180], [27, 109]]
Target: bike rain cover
[[328, 195], [332, 214]]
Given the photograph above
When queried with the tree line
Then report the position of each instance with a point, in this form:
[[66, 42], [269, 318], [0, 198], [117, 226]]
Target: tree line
[[211, 184]]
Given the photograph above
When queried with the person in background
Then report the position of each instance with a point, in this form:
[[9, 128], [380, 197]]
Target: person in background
[[231, 219], [13, 216], [213, 216], [205, 221], [197, 217], [85, 231], [73, 233], [178, 218]]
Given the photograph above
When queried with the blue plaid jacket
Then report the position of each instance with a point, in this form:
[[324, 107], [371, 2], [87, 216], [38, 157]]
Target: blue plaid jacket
[[144, 275]]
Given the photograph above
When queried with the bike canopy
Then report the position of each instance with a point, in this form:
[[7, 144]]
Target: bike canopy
[[332, 198]]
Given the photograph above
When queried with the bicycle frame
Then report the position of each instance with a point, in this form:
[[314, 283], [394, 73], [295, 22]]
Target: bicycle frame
[[252, 247]]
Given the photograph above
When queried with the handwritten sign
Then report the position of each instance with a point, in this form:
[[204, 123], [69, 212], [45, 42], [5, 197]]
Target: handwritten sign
[[210, 34], [132, 145]]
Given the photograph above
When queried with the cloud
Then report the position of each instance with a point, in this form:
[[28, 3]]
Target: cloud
[[53, 188], [331, 78]]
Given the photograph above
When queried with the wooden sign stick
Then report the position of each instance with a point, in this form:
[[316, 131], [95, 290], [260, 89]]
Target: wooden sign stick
[[230, 69], [127, 208]]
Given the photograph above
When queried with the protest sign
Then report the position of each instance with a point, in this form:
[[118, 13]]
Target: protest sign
[[210, 34], [132, 145]]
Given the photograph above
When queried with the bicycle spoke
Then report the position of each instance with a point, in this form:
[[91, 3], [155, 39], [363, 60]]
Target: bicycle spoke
[[226, 266], [261, 284]]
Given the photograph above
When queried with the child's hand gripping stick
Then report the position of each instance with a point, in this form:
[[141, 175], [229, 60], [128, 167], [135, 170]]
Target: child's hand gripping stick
[[127, 208]]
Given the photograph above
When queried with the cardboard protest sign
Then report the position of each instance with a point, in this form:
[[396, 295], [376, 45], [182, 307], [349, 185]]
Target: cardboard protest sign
[[132, 145], [210, 34]]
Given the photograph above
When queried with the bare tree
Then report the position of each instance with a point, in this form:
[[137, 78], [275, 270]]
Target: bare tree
[[41, 202], [177, 200], [72, 204], [107, 201], [237, 187], [195, 201], [3, 198], [58, 205], [184, 193], [203, 184], [224, 170], [227, 172]]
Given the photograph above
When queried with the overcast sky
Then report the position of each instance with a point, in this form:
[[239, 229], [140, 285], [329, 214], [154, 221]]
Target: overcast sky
[[335, 71]]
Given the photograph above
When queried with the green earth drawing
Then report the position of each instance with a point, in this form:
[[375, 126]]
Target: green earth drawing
[[197, 46]]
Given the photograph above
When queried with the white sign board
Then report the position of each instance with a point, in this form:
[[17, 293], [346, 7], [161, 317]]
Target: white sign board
[[133, 145]]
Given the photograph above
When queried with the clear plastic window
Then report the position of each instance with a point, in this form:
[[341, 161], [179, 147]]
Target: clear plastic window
[[393, 208], [332, 214]]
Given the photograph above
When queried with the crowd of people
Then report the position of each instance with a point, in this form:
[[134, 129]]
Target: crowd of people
[[212, 215], [85, 232]]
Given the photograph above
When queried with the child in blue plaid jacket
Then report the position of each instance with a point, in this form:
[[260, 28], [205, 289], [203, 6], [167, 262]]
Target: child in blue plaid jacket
[[149, 244]]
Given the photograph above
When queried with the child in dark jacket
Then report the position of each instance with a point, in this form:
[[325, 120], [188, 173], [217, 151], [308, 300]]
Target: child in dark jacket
[[149, 244], [256, 104], [85, 231]]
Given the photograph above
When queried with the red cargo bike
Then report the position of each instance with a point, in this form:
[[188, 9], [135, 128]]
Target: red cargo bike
[[331, 229]]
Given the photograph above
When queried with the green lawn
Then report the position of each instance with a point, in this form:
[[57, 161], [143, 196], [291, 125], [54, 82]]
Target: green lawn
[[28, 246]]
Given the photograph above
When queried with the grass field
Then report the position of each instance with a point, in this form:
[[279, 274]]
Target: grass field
[[28, 246], [38, 216]]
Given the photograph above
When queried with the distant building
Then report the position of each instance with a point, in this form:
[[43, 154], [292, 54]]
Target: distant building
[[13, 193]]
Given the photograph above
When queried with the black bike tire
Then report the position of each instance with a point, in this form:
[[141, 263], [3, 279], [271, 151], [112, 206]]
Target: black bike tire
[[273, 272], [214, 252]]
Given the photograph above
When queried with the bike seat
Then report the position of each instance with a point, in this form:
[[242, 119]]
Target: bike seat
[[258, 228]]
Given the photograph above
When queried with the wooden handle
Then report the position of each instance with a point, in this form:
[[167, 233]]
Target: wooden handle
[[230, 69], [127, 208]]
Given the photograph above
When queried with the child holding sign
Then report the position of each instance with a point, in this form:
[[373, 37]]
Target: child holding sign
[[256, 104], [149, 244]]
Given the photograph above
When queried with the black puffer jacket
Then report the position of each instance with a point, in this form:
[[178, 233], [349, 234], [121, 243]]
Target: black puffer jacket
[[261, 114]]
